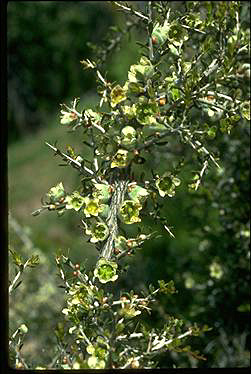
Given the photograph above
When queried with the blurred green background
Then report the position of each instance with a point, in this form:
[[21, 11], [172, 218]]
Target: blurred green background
[[46, 41]]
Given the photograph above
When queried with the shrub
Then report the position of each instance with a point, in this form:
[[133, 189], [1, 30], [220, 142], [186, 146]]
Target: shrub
[[149, 136]]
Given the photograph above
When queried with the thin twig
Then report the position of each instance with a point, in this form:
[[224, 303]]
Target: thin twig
[[205, 164], [193, 29], [151, 56], [77, 164], [136, 13]]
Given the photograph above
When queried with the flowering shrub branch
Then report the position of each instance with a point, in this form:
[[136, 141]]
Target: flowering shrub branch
[[150, 113]]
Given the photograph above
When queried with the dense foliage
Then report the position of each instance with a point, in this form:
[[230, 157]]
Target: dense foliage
[[169, 135]]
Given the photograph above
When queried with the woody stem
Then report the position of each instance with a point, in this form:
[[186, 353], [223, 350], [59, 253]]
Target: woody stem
[[120, 187]]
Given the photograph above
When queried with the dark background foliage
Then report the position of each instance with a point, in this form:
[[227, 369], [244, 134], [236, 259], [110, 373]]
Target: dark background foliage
[[46, 41]]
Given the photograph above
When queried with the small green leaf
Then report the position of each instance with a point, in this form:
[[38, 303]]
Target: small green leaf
[[33, 261], [243, 308], [37, 212], [17, 259], [160, 33], [175, 93]]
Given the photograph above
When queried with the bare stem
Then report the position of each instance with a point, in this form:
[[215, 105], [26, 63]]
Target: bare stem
[[201, 174], [75, 163]]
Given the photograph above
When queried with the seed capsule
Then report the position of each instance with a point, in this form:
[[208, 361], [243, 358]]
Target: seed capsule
[[154, 40], [116, 251], [162, 101]]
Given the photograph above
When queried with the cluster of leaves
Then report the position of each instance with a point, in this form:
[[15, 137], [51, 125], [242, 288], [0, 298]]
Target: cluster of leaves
[[33, 297], [185, 68], [106, 332], [17, 337]]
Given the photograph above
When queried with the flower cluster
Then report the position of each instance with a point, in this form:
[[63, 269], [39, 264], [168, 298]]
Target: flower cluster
[[98, 352], [81, 299]]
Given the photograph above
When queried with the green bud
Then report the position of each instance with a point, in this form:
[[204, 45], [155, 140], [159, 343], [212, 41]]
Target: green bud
[[212, 132], [23, 328]]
